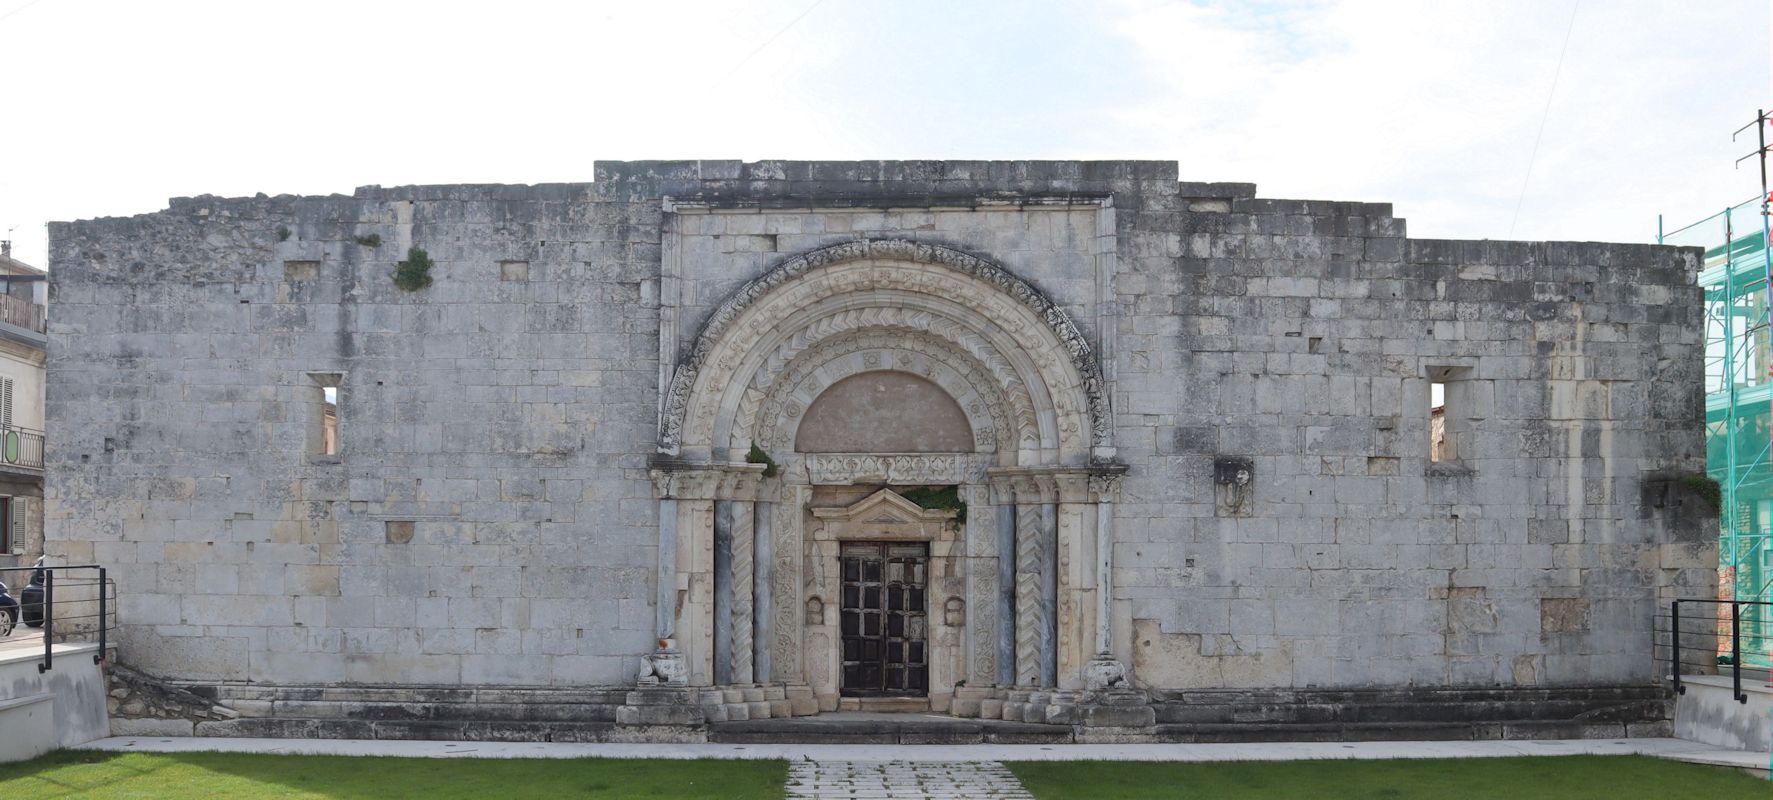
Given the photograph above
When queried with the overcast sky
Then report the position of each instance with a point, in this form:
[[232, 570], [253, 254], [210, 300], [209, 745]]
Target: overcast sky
[[112, 107]]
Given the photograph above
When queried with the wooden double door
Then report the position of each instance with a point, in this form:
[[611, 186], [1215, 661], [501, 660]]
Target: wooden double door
[[885, 619]]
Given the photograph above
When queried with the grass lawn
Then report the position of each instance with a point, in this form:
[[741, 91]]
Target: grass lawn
[[1562, 778], [213, 776]]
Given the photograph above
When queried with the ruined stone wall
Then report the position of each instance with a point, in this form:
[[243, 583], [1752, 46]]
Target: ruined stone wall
[[506, 412], [509, 410], [1302, 338]]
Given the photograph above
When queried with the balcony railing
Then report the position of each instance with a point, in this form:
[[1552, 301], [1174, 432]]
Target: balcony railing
[[21, 447], [18, 311]]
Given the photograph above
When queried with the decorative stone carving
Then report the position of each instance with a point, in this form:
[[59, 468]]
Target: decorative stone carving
[[815, 611], [954, 612], [785, 584], [1015, 306], [1031, 616], [1104, 672], [911, 469]]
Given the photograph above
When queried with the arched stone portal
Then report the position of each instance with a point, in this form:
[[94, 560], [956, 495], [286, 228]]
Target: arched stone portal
[[995, 392]]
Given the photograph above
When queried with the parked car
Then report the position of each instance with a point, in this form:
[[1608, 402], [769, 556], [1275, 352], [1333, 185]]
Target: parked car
[[31, 599], [8, 612]]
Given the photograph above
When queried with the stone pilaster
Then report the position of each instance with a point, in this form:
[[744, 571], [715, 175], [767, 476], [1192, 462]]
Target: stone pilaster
[[982, 587]]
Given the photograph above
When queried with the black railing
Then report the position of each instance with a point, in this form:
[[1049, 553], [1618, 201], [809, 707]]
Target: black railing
[[76, 602], [1696, 626]]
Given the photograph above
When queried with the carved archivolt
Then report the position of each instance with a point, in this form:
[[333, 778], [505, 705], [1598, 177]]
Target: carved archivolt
[[742, 336]]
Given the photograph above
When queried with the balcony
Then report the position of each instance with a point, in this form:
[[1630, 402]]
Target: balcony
[[21, 448], [15, 310]]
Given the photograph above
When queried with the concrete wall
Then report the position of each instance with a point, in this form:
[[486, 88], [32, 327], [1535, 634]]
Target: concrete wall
[[508, 411]]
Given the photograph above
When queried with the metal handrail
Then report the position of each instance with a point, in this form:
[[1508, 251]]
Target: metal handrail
[[49, 609], [1674, 641]]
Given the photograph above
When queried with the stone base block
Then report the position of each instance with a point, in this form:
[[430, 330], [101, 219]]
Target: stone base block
[[1101, 716], [737, 712], [801, 700], [991, 708], [661, 706], [780, 708]]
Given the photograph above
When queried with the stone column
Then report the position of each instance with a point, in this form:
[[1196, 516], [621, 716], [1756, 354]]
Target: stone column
[[762, 619], [744, 527], [723, 592], [686, 571], [1035, 581], [1105, 671]]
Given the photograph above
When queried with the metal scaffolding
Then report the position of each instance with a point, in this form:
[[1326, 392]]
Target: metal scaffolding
[[1738, 387]]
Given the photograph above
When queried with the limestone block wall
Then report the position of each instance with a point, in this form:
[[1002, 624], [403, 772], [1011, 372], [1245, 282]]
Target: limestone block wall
[[509, 411], [506, 412], [1302, 338]]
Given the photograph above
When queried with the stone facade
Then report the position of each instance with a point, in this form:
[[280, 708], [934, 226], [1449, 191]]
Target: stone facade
[[1196, 425]]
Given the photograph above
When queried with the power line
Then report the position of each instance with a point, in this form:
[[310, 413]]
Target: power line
[[20, 8], [1534, 156], [773, 38]]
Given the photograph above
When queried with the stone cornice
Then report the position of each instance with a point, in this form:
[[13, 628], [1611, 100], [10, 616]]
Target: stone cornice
[[1094, 484]]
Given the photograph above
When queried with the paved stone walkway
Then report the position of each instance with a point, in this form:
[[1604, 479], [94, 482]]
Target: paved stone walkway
[[913, 780]]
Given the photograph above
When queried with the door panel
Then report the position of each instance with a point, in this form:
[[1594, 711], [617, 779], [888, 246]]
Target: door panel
[[883, 618]]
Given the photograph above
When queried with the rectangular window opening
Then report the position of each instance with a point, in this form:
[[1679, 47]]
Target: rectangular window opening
[[323, 416], [8, 534], [1437, 423]]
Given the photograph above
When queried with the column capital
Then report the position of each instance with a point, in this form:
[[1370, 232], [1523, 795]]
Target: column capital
[[1025, 485], [712, 482]]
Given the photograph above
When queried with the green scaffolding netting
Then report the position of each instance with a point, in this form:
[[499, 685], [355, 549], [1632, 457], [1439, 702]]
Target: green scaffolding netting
[[1738, 387]]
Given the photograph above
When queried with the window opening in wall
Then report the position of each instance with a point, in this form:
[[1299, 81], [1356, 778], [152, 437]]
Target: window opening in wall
[[1437, 422], [7, 536], [323, 425]]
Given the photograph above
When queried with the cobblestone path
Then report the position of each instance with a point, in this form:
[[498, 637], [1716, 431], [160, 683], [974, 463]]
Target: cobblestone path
[[962, 780]]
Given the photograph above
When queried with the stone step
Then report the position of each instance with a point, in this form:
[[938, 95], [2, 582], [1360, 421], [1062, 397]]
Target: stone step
[[1203, 733], [914, 729], [441, 730], [884, 705]]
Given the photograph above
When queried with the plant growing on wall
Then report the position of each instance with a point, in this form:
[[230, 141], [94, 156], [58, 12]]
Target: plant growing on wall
[[1703, 485], [758, 456], [282, 233], [414, 273], [369, 240], [939, 498]]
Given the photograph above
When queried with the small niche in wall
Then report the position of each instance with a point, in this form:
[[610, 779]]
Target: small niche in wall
[[397, 531], [301, 270]]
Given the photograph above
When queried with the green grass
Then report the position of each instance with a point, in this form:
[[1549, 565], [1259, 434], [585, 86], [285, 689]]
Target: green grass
[[1559, 778], [212, 776]]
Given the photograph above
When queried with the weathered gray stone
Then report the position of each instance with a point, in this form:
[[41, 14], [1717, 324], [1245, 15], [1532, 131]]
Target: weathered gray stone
[[513, 417]]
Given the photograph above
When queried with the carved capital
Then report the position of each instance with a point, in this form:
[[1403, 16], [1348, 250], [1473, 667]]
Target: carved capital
[[712, 482]]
